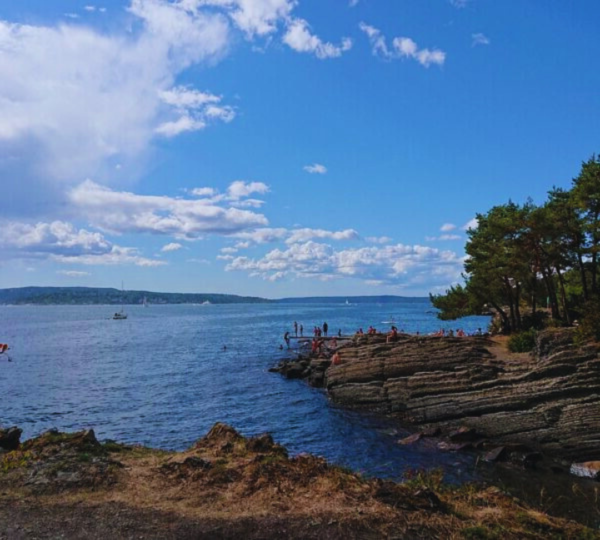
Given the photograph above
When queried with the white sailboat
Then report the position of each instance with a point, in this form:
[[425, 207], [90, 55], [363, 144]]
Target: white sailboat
[[120, 315]]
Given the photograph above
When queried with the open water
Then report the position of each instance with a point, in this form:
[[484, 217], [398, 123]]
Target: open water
[[161, 378]]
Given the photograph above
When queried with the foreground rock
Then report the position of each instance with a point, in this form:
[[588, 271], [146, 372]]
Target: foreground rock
[[549, 401], [227, 486]]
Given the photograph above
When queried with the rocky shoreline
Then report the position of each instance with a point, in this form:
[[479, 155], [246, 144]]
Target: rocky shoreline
[[474, 394], [61, 485]]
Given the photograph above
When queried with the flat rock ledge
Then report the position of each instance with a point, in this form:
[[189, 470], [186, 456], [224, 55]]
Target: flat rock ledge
[[549, 401]]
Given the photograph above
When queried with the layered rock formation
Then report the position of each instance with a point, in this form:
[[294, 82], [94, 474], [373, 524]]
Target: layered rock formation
[[549, 401]]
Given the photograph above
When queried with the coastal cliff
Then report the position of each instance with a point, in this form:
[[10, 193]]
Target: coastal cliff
[[549, 401], [226, 486]]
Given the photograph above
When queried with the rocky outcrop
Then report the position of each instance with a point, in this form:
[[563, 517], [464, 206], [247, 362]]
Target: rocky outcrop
[[227, 486], [10, 438], [549, 401]]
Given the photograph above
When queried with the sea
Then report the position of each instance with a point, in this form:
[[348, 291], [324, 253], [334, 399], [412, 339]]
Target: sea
[[166, 374]]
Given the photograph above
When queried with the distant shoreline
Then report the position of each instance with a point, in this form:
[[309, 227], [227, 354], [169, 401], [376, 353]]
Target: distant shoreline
[[109, 296]]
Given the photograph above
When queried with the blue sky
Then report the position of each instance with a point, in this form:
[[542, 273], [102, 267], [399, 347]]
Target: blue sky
[[281, 147]]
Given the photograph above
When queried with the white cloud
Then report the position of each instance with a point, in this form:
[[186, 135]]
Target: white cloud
[[106, 100], [229, 250], [116, 256], [121, 212], [195, 109], [315, 168], [479, 39], [73, 273], [303, 235], [240, 189], [264, 235], [459, 4], [90, 8], [56, 237], [472, 224], [393, 265], [204, 192], [402, 47], [446, 227], [62, 242], [253, 17], [173, 246], [378, 239], [443, 238], [299, 38]]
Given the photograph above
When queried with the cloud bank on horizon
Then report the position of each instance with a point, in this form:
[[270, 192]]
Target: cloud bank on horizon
[[100, 106]]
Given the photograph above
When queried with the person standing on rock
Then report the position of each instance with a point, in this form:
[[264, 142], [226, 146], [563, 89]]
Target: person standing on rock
[[296, 328], [325, 328], [301, 330], [286, 337]]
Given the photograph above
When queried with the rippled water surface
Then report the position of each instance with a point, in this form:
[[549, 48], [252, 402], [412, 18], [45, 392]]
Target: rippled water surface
[[161, 378]]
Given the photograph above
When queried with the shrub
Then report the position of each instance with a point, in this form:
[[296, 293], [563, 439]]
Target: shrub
[[522, 342], [589, 326]]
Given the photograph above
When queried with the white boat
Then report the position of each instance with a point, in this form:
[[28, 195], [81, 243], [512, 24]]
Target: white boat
[[120, 315]]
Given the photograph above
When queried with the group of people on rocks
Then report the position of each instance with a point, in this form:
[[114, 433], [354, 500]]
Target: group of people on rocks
[[458, 333]]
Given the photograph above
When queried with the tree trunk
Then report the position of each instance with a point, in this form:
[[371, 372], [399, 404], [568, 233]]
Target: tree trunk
[[551, 293], [584, 284], [503, 316], [563, 296], [517, 308]]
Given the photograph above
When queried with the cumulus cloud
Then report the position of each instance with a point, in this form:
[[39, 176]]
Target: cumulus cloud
[[63, 242], [443, 237], [378, 239], [173, 246], [204, 192], [393, 265], [125, 212], [303, 235], [116, 256], [446, 227], [459, 4], [402, 47], [73, 273], [104, 102], [239, 189], [56, 237], [471, 224], [315, 168], [479, 39], [299, 37], [263, 235]]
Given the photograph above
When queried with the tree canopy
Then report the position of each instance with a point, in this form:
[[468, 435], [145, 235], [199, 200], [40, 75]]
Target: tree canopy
[[524, 259]]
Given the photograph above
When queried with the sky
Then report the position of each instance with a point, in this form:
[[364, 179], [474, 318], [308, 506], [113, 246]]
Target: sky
[[281, 147]]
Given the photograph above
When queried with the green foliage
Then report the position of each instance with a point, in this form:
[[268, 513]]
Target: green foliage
[[454, 304], [526, 258], [522, 342], [589, 326], [419, 479]]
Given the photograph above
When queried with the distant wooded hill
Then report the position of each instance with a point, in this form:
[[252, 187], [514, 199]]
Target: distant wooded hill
[[94, 295]]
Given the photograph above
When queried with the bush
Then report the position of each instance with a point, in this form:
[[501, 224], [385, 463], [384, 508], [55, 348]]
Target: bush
[[589, 326], [537, 320], [522, 342]]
